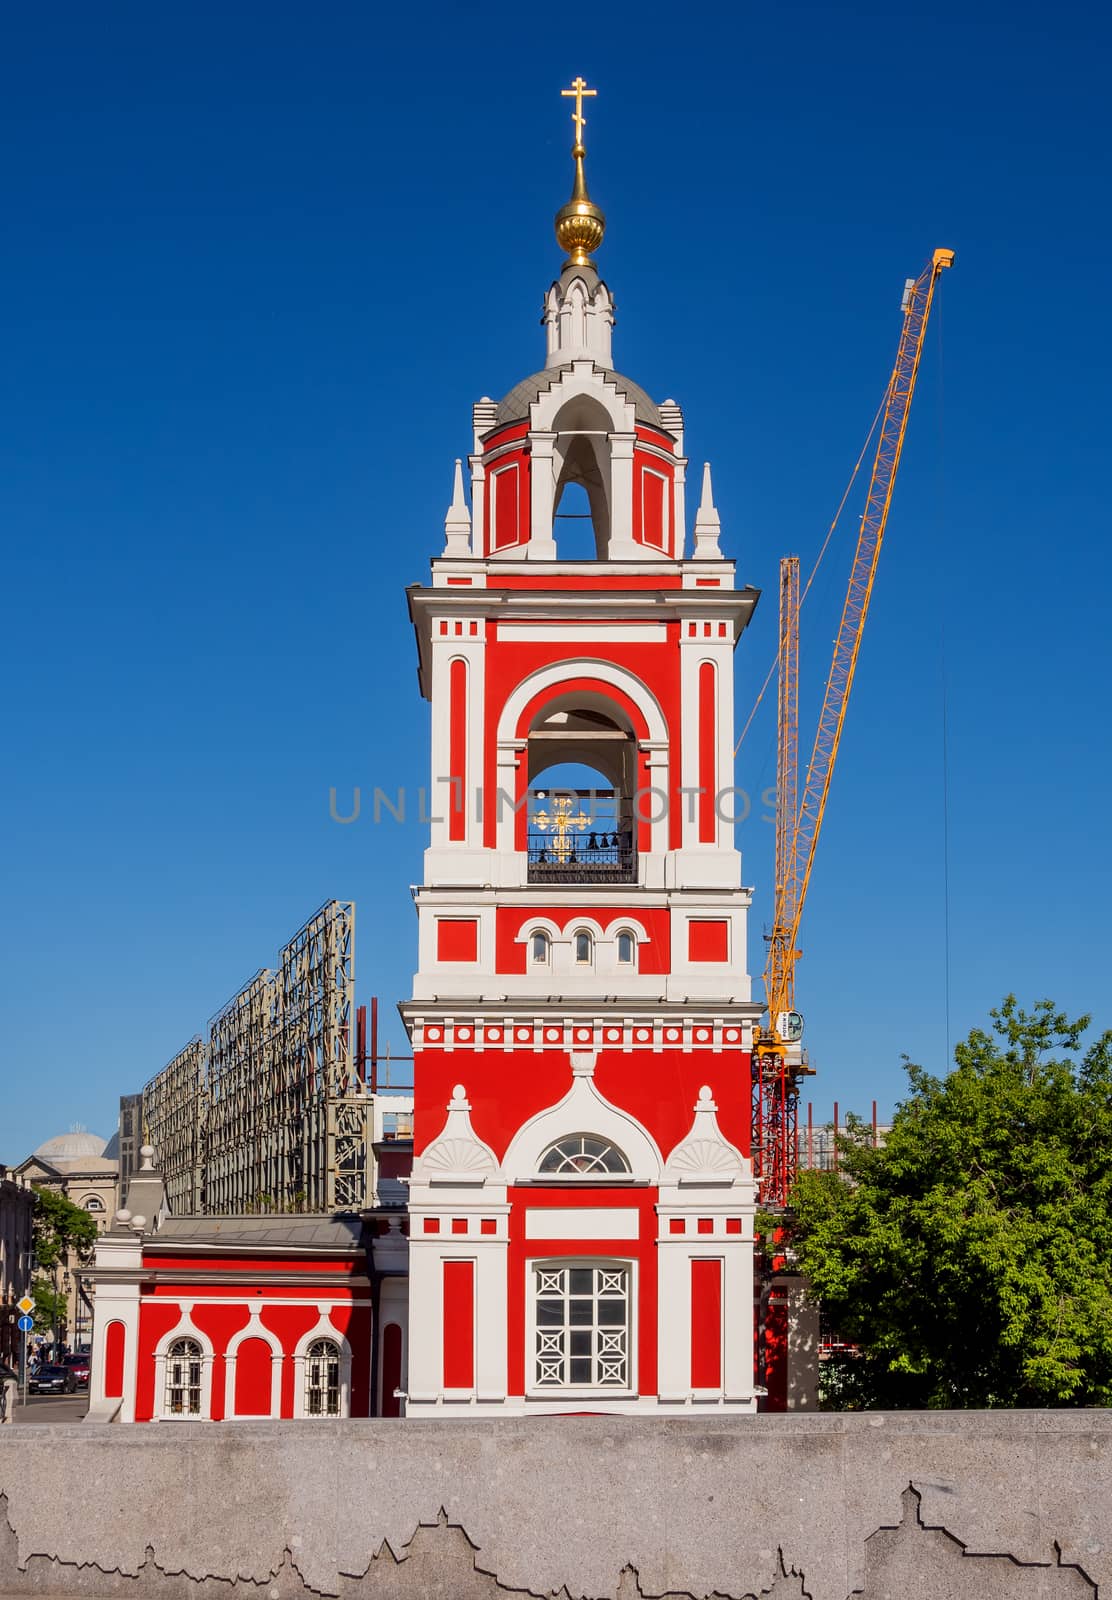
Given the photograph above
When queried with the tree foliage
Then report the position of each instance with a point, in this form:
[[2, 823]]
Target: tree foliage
[[59, 1228], [970, 1257], [51, 1309]]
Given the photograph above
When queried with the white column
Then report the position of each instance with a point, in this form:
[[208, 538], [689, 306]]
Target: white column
[[425, 1373], [622, 546], [117, 1300], [542, 489]]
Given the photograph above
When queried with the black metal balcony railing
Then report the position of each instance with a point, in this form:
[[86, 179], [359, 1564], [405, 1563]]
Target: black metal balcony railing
[[598, 857]]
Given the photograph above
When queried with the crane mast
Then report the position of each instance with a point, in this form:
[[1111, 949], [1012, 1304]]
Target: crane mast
[[777, 1057]]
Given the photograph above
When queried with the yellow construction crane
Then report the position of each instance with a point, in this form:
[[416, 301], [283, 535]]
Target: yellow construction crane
[[777, 1057]]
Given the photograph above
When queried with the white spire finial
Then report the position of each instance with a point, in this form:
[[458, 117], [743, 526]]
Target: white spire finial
[[457, 524], [707, 524]]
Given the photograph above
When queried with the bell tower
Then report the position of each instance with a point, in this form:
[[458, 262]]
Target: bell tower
[[582, 1201]]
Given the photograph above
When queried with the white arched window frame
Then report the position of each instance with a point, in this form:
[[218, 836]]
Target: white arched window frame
[[93, 1202], [583, 947], [604, 1361], [163, 1362], [583, 1156], [255, 1329], [656, 745], [583, 1109], [561, 944], [323, 1329], [625, 947], [540, 948]]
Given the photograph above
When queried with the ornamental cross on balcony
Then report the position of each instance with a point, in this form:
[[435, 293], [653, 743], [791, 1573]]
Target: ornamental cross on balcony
[[561, 822]]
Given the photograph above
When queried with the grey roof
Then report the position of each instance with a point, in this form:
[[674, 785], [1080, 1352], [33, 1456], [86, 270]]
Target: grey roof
[[340, 1233], [516, 404]]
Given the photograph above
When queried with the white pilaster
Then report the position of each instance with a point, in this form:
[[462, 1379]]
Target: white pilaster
[[542, 488]]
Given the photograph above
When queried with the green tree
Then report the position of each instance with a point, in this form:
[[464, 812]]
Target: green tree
[[61, 1229], [61, 1232], [970, 1257], [50, 1306]]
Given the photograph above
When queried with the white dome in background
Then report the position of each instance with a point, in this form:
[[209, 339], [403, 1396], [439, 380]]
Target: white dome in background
[[71, 1148]]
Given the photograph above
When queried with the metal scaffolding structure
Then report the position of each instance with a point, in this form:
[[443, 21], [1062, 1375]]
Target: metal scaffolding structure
[[269, 1114], [173, 1121]]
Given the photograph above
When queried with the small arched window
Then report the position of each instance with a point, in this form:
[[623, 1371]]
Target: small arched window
[[582, 1154], [627, 947], [539, 947], [583, 949], [183, 1379], [93, 1203], [322, 1379]]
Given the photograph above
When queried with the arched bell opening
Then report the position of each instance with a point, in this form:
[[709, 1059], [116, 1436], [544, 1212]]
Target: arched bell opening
[[582, 768], [582, 459]]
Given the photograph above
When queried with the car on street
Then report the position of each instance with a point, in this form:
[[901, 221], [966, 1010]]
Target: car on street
[[79, 1365], [53, 1380]]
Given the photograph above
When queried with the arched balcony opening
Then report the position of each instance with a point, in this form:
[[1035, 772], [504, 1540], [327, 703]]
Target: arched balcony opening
[[581, 460], [574, 525], [582, 762]]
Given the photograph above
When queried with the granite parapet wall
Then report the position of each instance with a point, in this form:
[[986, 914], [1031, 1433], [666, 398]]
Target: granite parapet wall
[[919, 1506]]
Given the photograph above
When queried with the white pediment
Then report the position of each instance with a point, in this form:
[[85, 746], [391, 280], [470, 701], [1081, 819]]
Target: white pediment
[[583, 1110], [704, 1157], [457, 1157]]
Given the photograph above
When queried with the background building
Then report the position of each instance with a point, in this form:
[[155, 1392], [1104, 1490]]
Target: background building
[[83, 1168], [17, 1208]]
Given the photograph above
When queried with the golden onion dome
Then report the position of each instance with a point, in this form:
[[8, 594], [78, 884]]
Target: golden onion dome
[[580, 224]]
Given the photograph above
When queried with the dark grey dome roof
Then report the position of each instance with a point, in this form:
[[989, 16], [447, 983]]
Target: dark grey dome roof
[[516, 404]]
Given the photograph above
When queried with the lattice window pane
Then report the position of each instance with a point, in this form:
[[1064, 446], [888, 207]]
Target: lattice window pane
[[183, 1379], [582, 1327], [322, 1379], [581, 1154]]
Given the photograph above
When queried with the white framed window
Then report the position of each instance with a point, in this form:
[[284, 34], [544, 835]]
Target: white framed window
[[93, 1203], [322, 1379], [322, 1371], [582, 1155], [184, 1366], [584, 949], [581, 1326], [540, 949], [627, 948]]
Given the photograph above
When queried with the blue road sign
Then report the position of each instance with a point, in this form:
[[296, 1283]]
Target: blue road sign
[[25, 1324]]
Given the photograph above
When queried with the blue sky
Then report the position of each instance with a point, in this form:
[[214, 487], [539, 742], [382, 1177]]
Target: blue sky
[[258, 262]]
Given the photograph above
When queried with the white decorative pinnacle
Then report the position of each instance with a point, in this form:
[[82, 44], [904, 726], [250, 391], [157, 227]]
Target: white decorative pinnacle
[[457, 1156], [705, 1157], [457, 523], [707, 524], [578, 319]]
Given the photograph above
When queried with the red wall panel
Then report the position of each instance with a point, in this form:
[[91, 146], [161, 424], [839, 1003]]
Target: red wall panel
[[459, 1324], [706, 1324], [708, 762], [457, 939], [115, 1340], [253, 1372], [652, 508], [708, 939], [457, 750]]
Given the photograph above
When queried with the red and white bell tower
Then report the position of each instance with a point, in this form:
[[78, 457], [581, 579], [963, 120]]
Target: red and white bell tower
[[582, 1202]]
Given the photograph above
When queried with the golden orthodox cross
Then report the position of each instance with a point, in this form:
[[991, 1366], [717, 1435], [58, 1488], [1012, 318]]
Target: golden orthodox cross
[[579, 89], [561, 822]]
